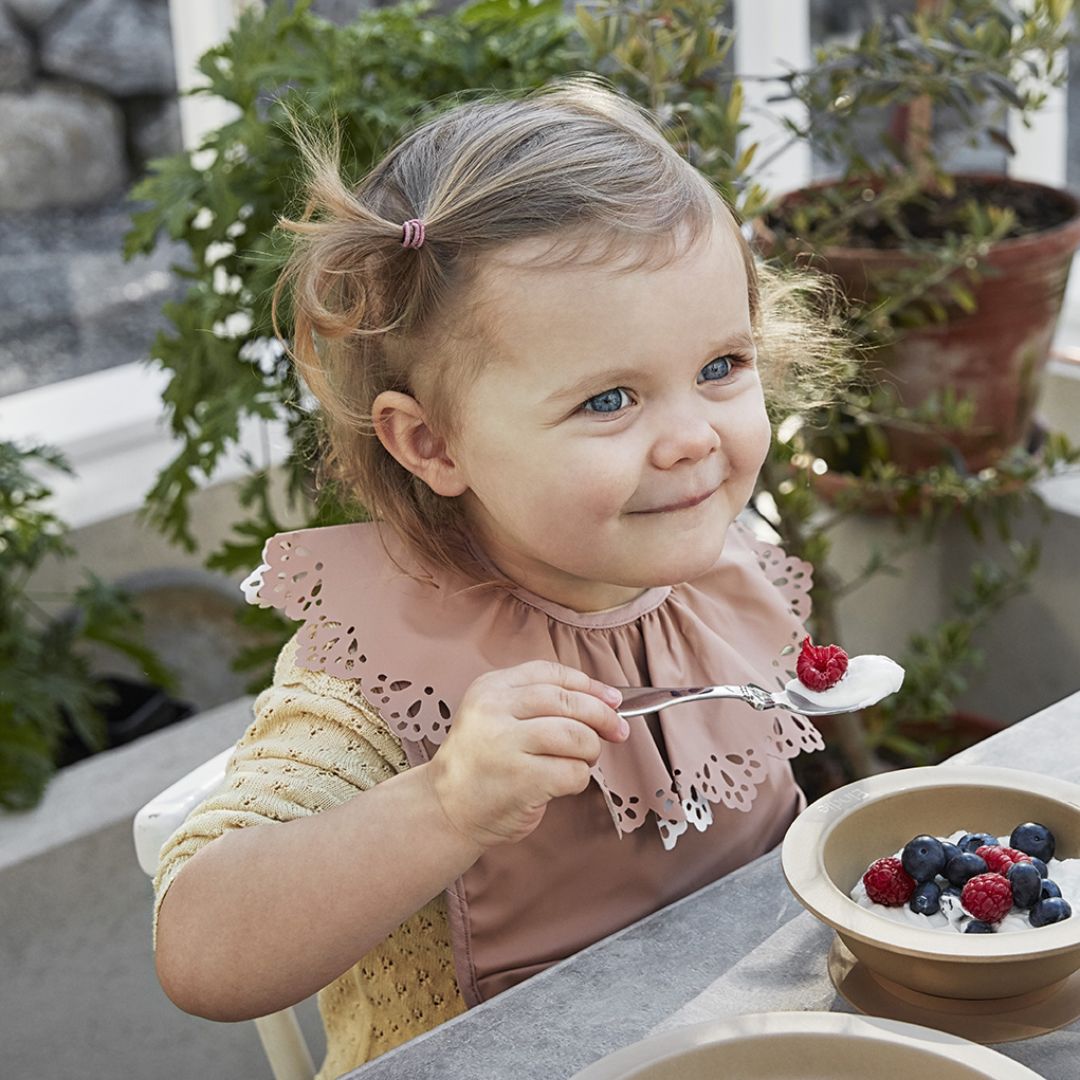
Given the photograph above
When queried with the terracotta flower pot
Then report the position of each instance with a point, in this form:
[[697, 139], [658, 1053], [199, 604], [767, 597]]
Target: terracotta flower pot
[[994, 356]]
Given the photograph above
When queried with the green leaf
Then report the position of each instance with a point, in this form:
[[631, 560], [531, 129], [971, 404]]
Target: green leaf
[[26, 764], [480, 12]]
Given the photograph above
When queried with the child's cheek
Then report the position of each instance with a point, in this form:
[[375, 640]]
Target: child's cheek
[[764, 441], [603, 479], [753, 441]]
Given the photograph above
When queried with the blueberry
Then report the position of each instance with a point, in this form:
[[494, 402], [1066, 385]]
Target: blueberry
[[1033, 839], [1040, 866], [964, 867], [1049, 911], [951, 890], [923, 858], [951, 850], [926, 899], [977, 926], [971, 841], [1026, 884], [1050, 890]]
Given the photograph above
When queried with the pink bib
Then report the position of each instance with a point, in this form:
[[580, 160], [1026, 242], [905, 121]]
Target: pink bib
[[589, 868]]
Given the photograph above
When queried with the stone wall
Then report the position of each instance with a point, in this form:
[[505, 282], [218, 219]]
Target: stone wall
[[87, 96]]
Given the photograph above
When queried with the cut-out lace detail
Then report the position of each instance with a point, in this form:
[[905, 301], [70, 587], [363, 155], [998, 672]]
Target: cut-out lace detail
[[791, 576], [292, 579], [733, 778]]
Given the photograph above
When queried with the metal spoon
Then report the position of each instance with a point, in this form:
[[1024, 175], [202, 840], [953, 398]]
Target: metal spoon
[[638, 700]]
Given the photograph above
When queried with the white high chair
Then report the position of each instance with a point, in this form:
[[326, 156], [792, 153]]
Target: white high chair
[[280, 1034]]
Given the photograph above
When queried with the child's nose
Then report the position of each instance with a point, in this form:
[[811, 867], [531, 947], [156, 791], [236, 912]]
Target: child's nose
[[686, 435]]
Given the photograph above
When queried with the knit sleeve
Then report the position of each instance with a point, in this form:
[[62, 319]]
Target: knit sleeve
[[315, 743]]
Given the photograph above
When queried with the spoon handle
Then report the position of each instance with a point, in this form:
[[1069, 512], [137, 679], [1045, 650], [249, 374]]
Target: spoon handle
[[638, 700]]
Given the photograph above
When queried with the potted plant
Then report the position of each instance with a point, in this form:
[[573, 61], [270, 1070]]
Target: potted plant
[[53, 708], [954, 281], [952, 288]]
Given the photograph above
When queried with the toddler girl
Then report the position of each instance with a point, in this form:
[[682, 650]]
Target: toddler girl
[[535, 334]]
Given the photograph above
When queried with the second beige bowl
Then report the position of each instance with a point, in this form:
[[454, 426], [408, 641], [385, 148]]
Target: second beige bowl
[[804, 1046], [830, 845]]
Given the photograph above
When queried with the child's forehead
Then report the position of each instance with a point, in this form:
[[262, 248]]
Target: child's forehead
[[539, 279], [592, 249]]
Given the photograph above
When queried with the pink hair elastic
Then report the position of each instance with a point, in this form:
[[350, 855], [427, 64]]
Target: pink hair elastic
[[414, 233]]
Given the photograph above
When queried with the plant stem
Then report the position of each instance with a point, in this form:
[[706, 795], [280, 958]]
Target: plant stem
[[919, 121]]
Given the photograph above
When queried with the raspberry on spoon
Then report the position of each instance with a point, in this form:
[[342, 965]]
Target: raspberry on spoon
[[820, 666]]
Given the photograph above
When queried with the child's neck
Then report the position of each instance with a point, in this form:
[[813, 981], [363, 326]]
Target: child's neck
[[588, 601], [576, 594]]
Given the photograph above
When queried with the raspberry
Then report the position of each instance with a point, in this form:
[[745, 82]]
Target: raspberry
[[1016, 855], [1001, 859], [820, 666], [988, 897], [887, 882]]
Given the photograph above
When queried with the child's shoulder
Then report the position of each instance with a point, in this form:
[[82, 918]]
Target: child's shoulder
[[323, 575], [301, 565], [323, 541]]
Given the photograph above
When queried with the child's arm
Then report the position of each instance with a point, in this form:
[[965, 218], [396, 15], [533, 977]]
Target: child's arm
[[263, 917]]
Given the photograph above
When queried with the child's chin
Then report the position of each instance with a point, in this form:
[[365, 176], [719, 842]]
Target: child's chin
[[677, 567]]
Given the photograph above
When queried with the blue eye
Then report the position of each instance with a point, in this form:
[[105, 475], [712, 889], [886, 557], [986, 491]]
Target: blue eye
[[721, 367], [609, 401], [617, 399]]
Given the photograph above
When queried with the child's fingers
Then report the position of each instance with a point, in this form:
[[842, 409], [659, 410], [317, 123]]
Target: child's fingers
[[565, 776], [556, 736], [543, 699], [553, 673]]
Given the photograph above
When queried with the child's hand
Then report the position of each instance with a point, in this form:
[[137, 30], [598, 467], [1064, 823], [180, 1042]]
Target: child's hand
[[521, 736]]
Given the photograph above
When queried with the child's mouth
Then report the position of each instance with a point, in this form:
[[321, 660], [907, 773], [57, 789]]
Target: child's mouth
[[684, 505]]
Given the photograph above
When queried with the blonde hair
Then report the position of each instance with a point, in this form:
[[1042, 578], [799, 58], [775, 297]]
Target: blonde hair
[[574, 161]]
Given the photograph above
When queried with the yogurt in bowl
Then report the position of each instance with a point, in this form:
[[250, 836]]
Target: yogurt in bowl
[[951, 915]]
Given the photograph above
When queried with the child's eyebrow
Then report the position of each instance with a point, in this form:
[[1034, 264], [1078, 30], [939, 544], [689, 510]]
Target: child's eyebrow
[[613, 376]]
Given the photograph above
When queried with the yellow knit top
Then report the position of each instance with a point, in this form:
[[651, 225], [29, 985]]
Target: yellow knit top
[[316, 742]]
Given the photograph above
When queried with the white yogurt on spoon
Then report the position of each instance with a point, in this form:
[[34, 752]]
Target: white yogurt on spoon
[[867, 680]]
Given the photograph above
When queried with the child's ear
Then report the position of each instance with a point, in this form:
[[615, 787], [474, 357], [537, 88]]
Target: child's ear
[[402, 428]]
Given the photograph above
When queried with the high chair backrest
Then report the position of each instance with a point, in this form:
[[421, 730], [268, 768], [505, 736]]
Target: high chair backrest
[[280, 1034]]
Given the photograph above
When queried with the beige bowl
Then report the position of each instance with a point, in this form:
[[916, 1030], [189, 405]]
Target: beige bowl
[[804, 1046], [830, 845]]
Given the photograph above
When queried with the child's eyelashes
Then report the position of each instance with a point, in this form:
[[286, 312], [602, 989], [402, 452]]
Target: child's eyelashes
[[719, 369]]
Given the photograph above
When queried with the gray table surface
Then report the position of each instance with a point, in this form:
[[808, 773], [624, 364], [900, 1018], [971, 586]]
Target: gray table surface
[[740, 945]]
